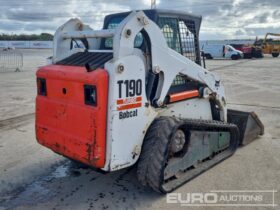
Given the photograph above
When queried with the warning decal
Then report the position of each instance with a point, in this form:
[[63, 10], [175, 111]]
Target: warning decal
[[129, 103]]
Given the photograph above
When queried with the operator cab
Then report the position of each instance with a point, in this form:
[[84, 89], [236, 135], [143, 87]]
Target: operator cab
[[181, 31]]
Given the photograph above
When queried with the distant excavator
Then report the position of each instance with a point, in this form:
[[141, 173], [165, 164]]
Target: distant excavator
[[270, 45]]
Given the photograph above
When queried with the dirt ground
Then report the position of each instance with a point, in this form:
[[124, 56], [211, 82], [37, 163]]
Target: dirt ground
[[33, 177]]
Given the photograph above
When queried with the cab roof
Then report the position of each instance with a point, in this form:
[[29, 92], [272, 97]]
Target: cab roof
[[154, 14]]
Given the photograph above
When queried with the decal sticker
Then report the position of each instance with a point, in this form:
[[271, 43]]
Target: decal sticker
[[131, 90], [129, 103], [128, 114]]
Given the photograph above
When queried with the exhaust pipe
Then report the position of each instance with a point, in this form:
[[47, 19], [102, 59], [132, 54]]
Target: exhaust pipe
[[249, 124]]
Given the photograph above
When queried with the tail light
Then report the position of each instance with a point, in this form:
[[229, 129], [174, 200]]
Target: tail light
[[90, 95], [41, 86]]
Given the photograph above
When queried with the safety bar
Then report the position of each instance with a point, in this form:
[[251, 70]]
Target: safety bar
[[89, 34]]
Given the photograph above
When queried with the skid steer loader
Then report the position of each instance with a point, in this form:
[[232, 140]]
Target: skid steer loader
[[135, 92]]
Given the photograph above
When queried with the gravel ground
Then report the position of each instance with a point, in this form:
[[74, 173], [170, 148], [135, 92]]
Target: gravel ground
[[33, 177]]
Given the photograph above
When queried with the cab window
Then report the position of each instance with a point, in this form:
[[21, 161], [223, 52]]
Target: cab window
[[180, 36], [114, 22], [170, 30]]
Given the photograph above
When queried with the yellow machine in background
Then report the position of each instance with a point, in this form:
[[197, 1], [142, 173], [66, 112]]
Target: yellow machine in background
[[271, 45]]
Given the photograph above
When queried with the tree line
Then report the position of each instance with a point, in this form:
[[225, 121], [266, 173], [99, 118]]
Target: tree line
[[26, 37]]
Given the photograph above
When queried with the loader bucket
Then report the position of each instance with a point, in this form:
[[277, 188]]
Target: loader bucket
[[249, 124]]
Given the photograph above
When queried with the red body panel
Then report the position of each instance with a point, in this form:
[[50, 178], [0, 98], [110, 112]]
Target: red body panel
[[244, 49], [64, 123]]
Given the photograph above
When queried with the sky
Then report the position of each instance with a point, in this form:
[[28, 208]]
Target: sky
[[222, 19]]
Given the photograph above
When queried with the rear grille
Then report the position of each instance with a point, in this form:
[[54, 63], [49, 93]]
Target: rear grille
[[93, 59]]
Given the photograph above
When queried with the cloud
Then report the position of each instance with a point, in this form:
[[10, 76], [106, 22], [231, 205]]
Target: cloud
[[27, 16], [240, 32], [221, 19]]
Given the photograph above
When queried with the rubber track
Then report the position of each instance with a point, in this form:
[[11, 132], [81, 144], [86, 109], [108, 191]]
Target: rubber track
[[154, 156]]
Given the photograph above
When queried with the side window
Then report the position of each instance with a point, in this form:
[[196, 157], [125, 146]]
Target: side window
[[170, 29], [179, 80], [112, 25], [181, 36], [188, 39]]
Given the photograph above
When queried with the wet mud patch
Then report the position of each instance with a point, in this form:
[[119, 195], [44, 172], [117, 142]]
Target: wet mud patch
[[69, 185], [38, 191]]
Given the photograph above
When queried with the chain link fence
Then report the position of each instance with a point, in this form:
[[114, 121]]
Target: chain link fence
[[11, 61]]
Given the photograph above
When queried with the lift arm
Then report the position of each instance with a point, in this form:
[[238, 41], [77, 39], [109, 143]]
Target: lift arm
[[164, 59]]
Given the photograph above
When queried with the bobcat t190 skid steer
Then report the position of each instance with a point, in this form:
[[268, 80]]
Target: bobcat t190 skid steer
[[135, 92]]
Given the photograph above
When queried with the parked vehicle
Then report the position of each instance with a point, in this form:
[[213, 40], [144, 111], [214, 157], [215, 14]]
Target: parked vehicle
[[257, 52], [9, 48], [249, 51], [211, 51]]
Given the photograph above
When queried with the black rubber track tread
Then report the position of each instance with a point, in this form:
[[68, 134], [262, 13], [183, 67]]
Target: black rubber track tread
[[154, 153]]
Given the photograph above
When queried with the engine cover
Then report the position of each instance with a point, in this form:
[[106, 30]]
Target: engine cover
[[71, 114]]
